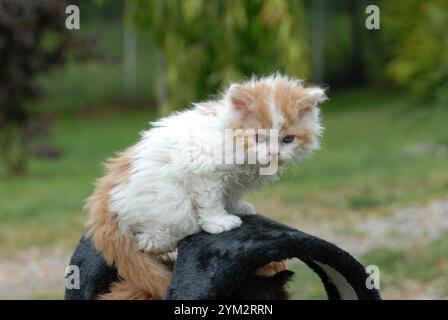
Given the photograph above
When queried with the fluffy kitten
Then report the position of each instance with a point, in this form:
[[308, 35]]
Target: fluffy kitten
[[173, 183]]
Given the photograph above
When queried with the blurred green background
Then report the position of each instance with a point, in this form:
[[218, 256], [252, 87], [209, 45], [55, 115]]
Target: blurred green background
[[378, 187]]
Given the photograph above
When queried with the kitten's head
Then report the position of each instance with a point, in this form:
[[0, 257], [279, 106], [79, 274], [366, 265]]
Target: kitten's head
[[280, 103]]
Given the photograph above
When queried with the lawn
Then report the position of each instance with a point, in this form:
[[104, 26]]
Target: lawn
[[378, 152], [401, 271], [45, 206]]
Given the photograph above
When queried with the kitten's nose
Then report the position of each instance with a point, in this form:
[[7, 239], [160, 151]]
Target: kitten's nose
[[274, 153]]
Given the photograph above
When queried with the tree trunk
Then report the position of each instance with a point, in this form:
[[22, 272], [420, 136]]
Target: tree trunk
[[13, 150], [357, 29], [162, 90], [130, 55], [318, 40]]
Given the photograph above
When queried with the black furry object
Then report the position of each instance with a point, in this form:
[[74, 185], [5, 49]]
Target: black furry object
[[223, 266], [95, 275], [260, 288]]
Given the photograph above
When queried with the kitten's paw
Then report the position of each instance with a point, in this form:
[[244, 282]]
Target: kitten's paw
[[244, 208], [221, 223]]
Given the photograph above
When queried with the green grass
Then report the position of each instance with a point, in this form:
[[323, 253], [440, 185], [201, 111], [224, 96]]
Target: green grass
[[305, 284], [45, 207], [426, 265], [47, 296], [362, 166]]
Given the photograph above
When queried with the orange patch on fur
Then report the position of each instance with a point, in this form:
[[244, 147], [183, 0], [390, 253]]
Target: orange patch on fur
[[287, 97], [261, 93], [303, 134], [271, 268], [256, 98], [256, 101], [139, 269], [125, 290], [304, 137]]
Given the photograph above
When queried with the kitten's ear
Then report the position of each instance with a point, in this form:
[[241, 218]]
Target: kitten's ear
[[239, 98], [314, 96]]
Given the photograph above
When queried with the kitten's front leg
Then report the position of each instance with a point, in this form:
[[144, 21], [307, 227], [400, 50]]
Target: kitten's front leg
[[213, 218], [243, 208], [237, 205]]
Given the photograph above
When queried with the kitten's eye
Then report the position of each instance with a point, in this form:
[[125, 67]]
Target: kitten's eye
[[288, 139]]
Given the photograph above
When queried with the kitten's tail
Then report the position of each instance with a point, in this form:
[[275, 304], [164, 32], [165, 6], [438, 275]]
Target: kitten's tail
[[139, 269]]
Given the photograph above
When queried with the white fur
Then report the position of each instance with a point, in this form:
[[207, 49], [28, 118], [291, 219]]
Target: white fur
[[173, 168]]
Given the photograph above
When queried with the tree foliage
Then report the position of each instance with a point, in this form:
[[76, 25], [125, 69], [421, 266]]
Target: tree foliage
[[415, 34], [205, 44], [32, 40]]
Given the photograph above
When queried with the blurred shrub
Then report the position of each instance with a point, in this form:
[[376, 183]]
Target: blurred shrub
[[95, 10], [205, 44], [415, 33], [33, 39]]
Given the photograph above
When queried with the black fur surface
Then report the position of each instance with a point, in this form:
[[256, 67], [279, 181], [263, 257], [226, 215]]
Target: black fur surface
[[223, 266], [96, 275], [261, 288]]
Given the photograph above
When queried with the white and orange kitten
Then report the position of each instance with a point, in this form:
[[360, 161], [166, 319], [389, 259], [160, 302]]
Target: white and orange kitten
[[171, 184]]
